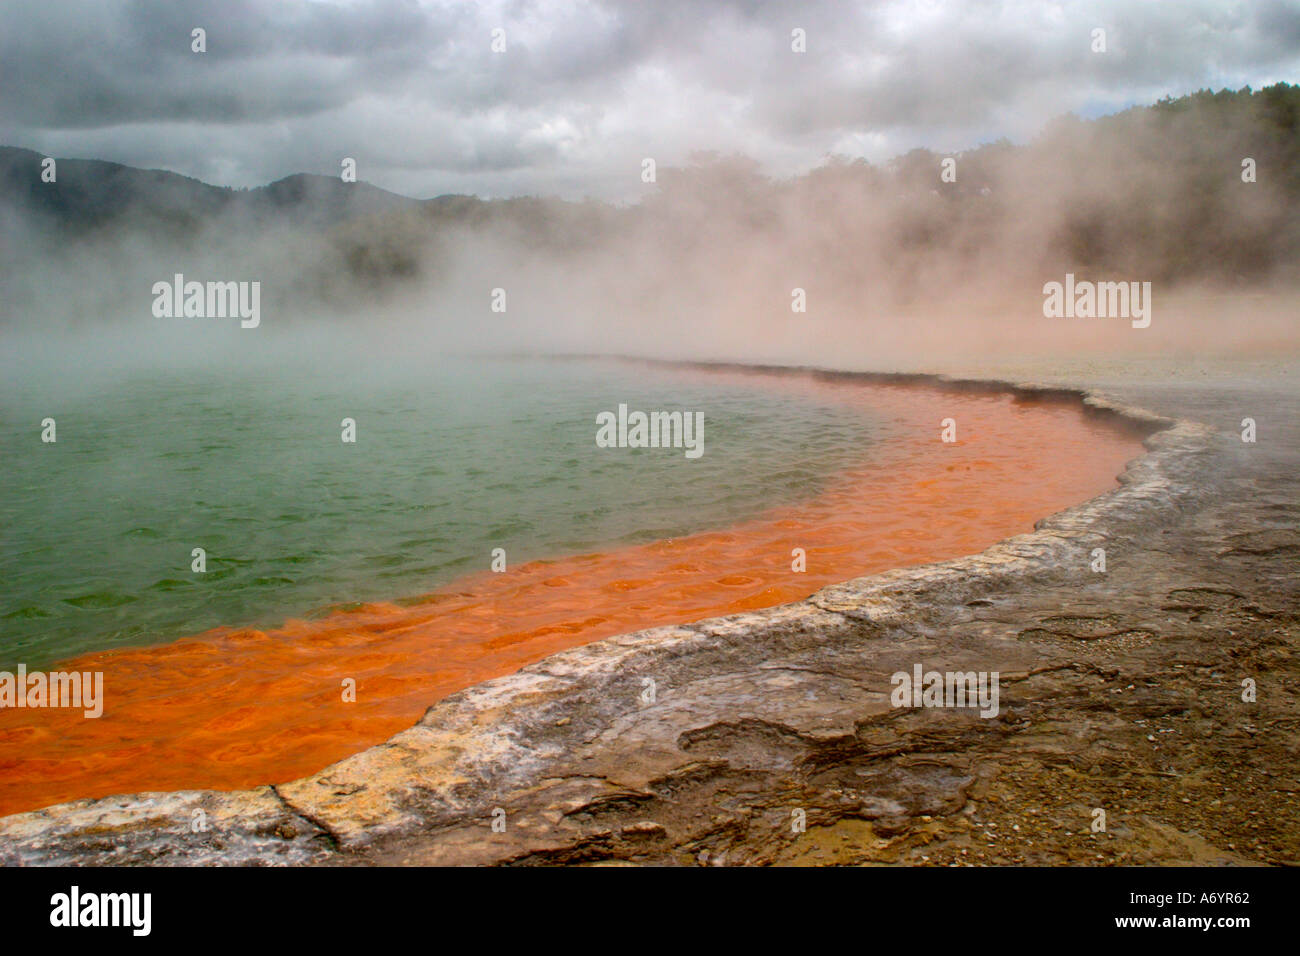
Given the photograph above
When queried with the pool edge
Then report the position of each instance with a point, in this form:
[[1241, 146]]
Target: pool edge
[[503, 734]]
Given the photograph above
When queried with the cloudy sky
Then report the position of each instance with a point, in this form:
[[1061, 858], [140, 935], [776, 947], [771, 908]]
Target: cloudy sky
[[413, 90]]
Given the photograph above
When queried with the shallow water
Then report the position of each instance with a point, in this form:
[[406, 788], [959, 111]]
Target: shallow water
[[855, 475]]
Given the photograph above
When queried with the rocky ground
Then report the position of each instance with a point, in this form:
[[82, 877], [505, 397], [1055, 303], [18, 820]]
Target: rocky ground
[[770, 738]]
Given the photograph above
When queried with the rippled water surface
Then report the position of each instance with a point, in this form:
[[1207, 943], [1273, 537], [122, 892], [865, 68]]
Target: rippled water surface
[[452, 459]]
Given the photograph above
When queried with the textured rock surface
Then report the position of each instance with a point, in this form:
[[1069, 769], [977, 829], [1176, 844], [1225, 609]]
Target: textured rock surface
[[1119, 691]]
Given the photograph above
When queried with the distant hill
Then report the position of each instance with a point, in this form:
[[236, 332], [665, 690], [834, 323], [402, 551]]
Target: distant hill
[[91, 194], [1203, 189]]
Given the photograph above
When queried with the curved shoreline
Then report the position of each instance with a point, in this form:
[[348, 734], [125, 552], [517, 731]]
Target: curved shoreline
[[509, 734]]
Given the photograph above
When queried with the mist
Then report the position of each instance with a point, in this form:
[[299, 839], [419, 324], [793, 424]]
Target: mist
[[910, 264]]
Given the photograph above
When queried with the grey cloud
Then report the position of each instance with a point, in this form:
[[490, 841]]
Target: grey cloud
[[92, 64], [585, 90]]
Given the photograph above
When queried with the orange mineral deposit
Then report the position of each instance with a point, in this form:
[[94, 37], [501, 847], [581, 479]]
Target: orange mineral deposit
[[234, 708]]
